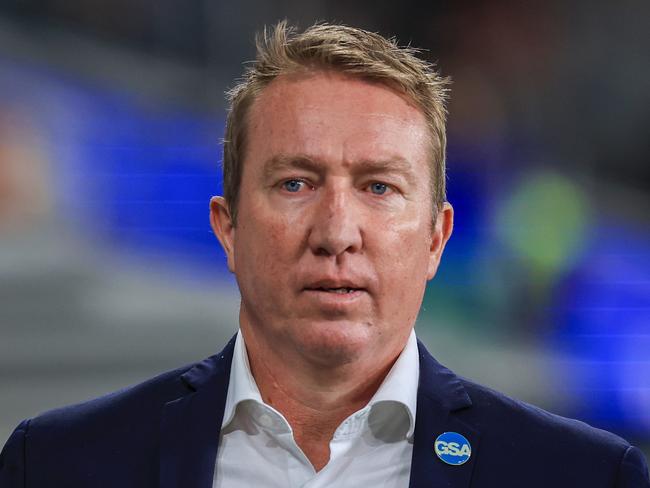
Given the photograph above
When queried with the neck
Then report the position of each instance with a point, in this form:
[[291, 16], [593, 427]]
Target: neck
[[314, 399]]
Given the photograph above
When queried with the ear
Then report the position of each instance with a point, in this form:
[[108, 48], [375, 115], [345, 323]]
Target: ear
[[440, 234], [223, 228]]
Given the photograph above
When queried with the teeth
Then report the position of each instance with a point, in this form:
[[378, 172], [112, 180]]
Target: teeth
[[340, 291]]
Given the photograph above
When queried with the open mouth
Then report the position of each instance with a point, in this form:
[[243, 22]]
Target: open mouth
[[339, 291], [342, 288]]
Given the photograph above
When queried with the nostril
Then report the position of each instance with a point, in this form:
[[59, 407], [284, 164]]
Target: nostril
[[321, 251]]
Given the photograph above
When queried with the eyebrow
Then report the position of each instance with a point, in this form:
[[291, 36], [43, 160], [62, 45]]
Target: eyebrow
[[392, 165], [283, 162]]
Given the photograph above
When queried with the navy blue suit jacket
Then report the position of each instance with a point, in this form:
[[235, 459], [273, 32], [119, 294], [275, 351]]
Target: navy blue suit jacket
[[165, 433]]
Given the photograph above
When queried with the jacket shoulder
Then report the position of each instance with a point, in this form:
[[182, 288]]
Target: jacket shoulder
[[135, 402], [517, 437], [67, 446], [498, 412], [113, 440], [139, 404]]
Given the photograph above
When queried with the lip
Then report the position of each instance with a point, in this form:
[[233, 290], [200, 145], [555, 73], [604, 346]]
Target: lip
[[327, 281], [323, 284], [314, 288], [331, 299]]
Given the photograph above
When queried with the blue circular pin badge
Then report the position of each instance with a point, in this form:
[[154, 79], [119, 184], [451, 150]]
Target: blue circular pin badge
[[453, 448]]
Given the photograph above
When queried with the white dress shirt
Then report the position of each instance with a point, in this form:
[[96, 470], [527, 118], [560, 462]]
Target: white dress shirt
[[372, 447]]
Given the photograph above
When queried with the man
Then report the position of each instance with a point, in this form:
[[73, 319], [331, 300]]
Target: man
[[333, 220]]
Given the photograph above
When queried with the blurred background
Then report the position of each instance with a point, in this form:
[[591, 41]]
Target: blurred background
[[110, 119]]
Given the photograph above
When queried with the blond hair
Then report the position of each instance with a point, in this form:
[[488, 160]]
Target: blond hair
[[352, 51]]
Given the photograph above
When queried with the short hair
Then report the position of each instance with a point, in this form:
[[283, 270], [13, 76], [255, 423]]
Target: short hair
[[348, 50]]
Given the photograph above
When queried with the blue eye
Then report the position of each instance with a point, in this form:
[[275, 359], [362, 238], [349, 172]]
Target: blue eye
[[293, 186], [378, 188]]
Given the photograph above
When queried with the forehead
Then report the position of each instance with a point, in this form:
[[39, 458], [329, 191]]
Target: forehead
[[311, 86], [335, 116]]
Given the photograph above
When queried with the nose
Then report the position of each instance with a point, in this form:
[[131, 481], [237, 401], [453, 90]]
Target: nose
[[336, 226]]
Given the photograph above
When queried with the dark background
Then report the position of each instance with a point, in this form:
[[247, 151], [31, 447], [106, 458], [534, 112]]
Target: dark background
[[110, 119]]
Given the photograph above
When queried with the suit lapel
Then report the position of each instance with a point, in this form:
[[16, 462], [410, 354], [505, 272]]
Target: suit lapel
[[441, 396], [190, 425]]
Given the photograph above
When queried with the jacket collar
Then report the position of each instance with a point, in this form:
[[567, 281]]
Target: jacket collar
[[441, 397], [190, 425]]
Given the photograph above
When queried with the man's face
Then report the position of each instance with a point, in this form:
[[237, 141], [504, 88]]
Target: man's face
[[334, 240]]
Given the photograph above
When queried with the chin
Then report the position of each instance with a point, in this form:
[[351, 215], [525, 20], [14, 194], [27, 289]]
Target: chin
[[335, 342]]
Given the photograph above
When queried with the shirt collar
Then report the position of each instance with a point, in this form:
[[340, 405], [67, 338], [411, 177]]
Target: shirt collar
[[242, 385], [400, 385]]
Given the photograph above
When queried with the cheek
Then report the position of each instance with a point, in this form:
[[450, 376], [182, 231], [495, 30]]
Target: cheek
[[408, 240], [267, 250], [403, 264]]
